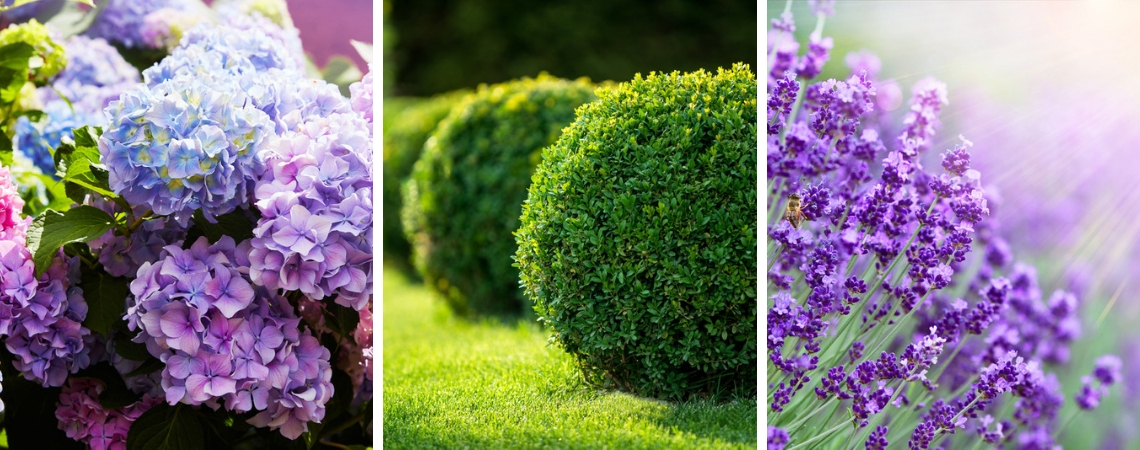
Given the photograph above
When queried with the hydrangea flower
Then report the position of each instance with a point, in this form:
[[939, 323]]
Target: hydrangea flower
[[163, 28], [122, 21], [225, 342], [37, 139], [272, 22], [315, 233], [83, 419], [214, 50], [188, 143], [42, 317], [362, 95]]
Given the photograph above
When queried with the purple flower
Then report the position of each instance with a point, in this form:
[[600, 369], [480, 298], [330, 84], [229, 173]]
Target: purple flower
[[777, 438]]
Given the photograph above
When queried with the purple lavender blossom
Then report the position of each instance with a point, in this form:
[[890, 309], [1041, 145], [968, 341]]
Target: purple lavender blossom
[[878, 439], [777, 438]]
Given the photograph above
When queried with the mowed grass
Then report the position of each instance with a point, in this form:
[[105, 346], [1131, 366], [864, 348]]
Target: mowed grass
[[451, 383]]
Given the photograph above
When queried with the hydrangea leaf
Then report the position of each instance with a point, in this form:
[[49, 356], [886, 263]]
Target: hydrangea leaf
[[235, 225], [166, 427], [106, 300], [51, 230]]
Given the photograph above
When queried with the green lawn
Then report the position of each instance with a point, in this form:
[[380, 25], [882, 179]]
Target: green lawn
[[450, 383]]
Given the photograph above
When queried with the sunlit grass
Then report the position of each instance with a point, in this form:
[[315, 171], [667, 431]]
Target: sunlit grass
[[450, 383]]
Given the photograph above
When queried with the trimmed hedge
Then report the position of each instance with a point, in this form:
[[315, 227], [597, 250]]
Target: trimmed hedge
[[638, 237], [464, 197], [408, 122]]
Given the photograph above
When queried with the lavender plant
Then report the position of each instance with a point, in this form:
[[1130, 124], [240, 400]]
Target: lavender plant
[[886, 326]]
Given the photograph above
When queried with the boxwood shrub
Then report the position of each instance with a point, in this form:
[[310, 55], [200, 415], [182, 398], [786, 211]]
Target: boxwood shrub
[[464, 197], [638, 238], [408, 122]]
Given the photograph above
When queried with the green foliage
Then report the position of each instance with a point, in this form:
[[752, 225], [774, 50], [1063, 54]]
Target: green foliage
[[463, 200], [50, 56], [166, 427], [106, 298], [441, 45], [52, 230], [407, 124], [638, 237]]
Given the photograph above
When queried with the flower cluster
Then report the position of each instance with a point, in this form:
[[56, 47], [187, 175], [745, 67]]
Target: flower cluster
[[124, 21], [315, 231], [83, 419], [43, 316], [221, 52], [226, 342], [272, 21], [187, 143], [362, 95], [1105, 374], [94, 76]]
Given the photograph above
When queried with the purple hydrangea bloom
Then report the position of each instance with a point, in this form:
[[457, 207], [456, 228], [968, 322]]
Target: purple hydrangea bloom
[[83, 419], [42, 317], [362, 95], [225, 342], [315, 233], [188, 143], [122, 21]]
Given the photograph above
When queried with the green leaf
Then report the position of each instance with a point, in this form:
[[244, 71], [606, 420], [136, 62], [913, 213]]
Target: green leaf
[[341, 319], [149, 366], [124, 347], [68, 19], [51, 230], [106, 298], [115, 392], [166, 427], [15, 56], [342, 72], [235, 224]]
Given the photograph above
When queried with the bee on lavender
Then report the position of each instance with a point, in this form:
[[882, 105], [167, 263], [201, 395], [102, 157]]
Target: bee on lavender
[[794, 213]]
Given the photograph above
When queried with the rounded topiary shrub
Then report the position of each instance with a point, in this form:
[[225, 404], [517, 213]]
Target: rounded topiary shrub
[[407, 124], [638, 238], [464, 197]]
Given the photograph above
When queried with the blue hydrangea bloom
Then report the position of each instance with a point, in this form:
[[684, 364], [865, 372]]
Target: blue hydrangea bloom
[[221, 50], [36, 140], [187, 143], [94, 76]]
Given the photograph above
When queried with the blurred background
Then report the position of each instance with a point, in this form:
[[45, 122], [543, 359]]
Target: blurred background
[[1046, 92], [327, 26], [442, 45]]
